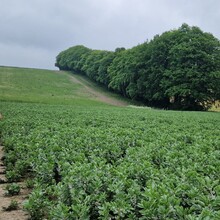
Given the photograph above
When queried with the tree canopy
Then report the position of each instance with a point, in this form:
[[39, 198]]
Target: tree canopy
[[179, 69]]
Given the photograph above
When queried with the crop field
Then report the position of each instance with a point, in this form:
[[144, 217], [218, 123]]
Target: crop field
[[90, 160]]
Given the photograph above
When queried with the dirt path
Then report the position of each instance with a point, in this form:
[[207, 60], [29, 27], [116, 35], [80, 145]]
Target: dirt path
[[100, 96], [18, 214]]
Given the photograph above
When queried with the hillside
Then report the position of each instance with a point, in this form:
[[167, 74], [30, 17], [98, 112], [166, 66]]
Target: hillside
[[52, 87], [86, 156]]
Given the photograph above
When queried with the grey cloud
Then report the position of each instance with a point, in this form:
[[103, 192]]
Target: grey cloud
[[26, 57]]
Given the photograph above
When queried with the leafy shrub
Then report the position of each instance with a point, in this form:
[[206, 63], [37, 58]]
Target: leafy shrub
[[37, 207], [12, 176], [29, 183], [13, 189]]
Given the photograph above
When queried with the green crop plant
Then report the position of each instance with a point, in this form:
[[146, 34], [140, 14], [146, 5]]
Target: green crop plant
[[13, 189], [165, 166]]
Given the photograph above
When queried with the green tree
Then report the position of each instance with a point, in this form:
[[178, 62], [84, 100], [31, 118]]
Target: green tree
[[104, 64], [192, 77], [68, 59], [154, 64], [92, 63], [124, 71]]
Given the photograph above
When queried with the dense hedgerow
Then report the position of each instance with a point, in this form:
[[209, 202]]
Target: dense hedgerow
[[115, 163]]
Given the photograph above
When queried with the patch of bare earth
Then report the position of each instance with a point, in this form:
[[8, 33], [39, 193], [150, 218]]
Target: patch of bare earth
[[5, 201]]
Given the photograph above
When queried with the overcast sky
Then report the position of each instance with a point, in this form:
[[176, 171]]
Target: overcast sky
[[33, 32]]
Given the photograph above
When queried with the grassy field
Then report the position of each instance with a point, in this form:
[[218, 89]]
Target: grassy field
[[41, 86], [91, 160]]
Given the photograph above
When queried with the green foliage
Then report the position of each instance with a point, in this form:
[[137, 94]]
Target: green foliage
[[116, 163], [13, 189], [12, 176], [193, 69], [37, 204], [68, 59], [180, 69], [92, 63], [104, 64], [29, 183], [124, 71]]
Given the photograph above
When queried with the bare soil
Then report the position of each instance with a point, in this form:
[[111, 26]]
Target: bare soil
[[18, 214]]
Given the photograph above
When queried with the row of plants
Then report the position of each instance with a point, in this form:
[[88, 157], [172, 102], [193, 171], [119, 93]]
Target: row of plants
[[94, 163], [179, 69]]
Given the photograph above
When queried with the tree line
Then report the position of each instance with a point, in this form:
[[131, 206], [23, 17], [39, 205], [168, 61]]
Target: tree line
[[179, 69]]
